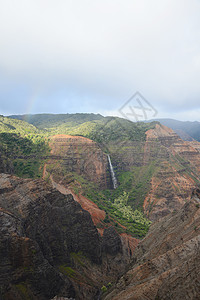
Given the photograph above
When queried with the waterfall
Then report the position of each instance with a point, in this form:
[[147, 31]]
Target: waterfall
[[114, 180]]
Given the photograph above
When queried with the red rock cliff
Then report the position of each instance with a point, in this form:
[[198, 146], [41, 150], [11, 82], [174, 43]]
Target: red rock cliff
[[80, 155]]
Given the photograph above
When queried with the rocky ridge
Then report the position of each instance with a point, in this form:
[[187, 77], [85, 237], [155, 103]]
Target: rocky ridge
[[177, 174], [166, 263], [98, 215], [49, 245]]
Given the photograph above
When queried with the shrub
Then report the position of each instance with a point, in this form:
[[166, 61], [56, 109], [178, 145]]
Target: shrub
[[104, 289]]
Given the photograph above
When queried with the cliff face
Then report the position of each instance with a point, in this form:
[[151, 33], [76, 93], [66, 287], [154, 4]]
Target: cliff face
[[178, 171], [49, 245], [165, 168], [166, 263], [98, 215], [80, 155]]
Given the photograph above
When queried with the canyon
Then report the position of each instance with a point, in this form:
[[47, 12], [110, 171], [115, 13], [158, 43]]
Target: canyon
[[62, 234], [50, 247], [170, 166]]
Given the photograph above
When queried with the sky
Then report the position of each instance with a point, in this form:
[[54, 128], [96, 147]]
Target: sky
[[68, 56]]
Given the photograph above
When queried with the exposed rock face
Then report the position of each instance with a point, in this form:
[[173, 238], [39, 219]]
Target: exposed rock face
[[195, 145], [177, 175], [112, 243], [80, 155], [129, 243], [171, 165], [169, 191], [49, 245], [23, 268], [166, 263], [96, 213], [166, 166]]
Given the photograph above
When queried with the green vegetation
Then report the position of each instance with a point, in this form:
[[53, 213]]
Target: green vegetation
[[124, 218], [115, 204], [24, 146], [121, 205], [48, 121], [23, 290], [92, 126], [17, 126], [16, 145], [104, 289], [79, 258], [137, 183], [68, 271], [30, 168]]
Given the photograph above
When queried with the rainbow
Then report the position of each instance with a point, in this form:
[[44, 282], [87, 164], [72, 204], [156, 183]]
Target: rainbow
[[30, 105]]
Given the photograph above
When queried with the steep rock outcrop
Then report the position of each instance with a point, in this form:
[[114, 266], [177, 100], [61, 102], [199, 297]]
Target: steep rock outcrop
[[177, 172], [96, 213], [24, 271], [165, 169], [166, 263], [80, 155], [167, 166], [112, 243], [49, 245]]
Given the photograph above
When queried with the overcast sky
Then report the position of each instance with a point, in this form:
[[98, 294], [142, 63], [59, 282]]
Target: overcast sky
[[66, 56]]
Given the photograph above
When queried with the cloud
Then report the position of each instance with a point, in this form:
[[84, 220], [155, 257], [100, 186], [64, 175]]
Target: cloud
[[90, 55]]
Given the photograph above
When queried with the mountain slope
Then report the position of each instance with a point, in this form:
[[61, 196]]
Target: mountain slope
[[166, 263], [96, 127], [49, 245], [187, 130], [178, 172], [23, 148], [55, 120]]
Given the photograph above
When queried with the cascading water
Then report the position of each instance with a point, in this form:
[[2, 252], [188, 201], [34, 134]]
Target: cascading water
[[114, 180]]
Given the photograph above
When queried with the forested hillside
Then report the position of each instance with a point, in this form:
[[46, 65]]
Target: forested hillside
[[23, 147]]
